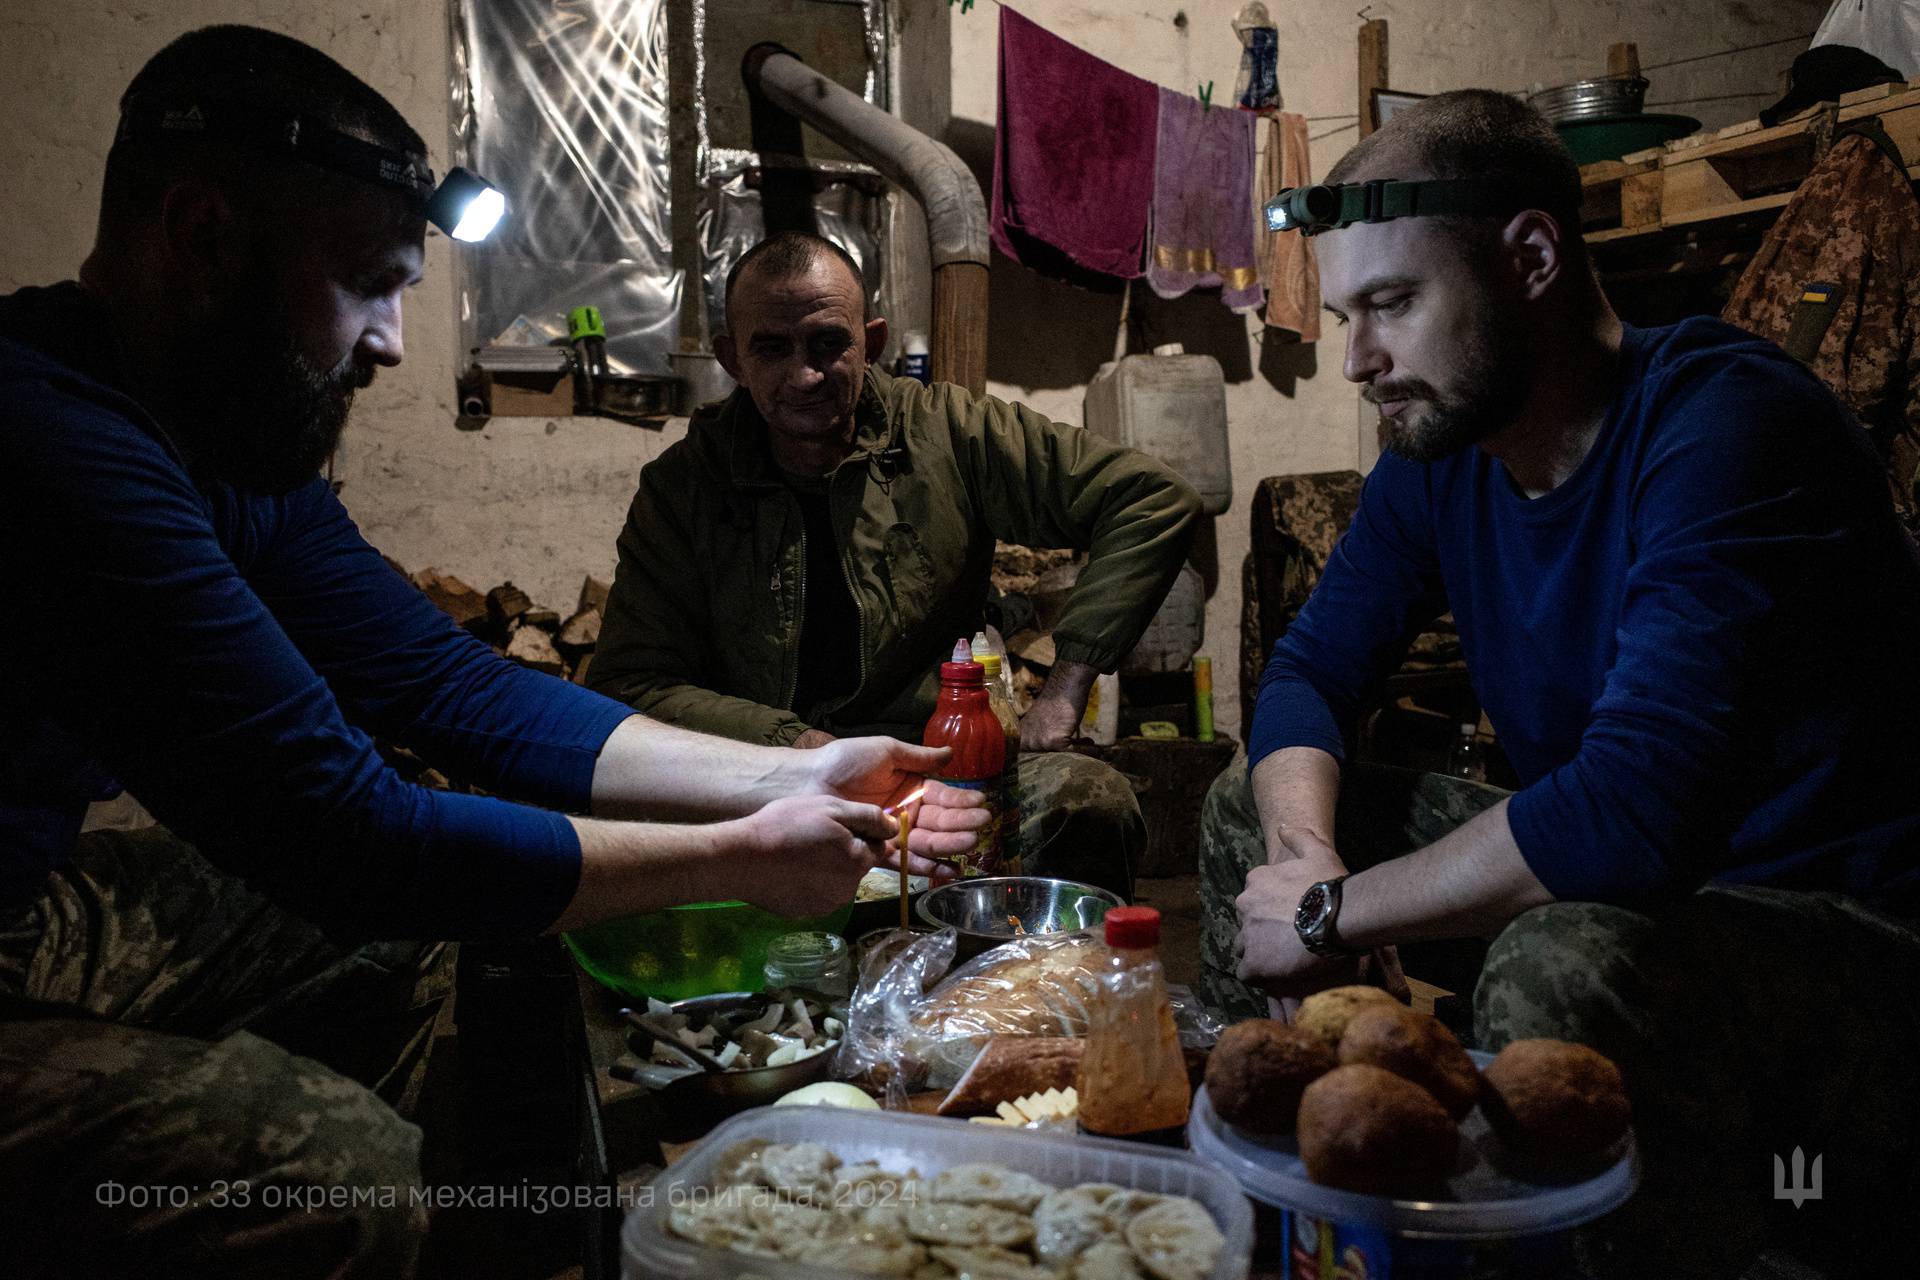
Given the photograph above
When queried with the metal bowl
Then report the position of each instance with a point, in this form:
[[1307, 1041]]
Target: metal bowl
[[1583, 99], [713, 1095], [985, 911]]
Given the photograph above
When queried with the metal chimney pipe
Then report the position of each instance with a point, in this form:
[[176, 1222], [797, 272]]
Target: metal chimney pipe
[[930, 172]]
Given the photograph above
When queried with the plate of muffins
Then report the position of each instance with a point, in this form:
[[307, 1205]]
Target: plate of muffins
[[1364, 1111]]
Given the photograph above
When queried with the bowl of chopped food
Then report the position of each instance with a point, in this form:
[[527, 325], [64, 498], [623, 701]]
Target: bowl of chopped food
[[770, 1043], [688, 951], [995, 909]]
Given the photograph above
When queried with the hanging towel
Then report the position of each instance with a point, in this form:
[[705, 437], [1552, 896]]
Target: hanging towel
[[1287, 263], [1203, 203], [1072, 156]]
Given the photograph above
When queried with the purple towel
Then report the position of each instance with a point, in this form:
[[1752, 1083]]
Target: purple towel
[[1072, 156], [1203, 203]]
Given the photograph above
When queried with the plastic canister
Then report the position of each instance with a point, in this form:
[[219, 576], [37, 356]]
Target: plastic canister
[[1176, 631], [1172, 406]]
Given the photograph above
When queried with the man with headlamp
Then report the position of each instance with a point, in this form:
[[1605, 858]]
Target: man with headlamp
[[198, 1041], [1689, 613]]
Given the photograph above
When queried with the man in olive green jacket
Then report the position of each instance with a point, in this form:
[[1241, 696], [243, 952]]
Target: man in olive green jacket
[[797, 568]]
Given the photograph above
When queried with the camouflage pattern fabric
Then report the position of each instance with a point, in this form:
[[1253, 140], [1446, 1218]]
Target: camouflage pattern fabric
[[192, 1080], [1296, 522], [1748, 1023], [1382, 813], [1079, 820], [1853, 222]]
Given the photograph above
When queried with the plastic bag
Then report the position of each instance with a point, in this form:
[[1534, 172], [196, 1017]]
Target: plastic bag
[[1887, 29], [1258, 85], [918, 1034]]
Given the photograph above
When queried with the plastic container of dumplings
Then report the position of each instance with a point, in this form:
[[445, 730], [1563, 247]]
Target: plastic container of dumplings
[[928, 1145]]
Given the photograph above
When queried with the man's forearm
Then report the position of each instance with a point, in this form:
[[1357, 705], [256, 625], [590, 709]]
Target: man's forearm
[[633, 868], [653, 770], [1470, 882], [1294, 789]]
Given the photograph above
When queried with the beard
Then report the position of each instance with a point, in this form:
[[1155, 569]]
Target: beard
[[1489, 385], [260, 415]]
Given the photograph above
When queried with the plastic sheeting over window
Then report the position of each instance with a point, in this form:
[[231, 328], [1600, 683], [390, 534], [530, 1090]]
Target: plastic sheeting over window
[[565, 105]]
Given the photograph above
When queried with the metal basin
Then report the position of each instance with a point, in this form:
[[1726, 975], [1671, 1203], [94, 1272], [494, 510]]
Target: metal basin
[[985, 911], [1583, 99]]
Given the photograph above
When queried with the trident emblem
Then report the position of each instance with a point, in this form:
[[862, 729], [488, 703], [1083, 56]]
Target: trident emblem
[[1800, 1190]]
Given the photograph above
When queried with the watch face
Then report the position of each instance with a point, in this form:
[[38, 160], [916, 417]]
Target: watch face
[[1313, 905]]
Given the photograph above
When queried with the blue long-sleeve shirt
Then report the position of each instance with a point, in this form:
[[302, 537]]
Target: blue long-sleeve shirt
[[225, 656], [1701, 652]]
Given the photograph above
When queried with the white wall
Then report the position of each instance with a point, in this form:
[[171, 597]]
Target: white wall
[[541, 502]]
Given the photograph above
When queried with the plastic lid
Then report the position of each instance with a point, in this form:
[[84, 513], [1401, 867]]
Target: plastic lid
[[915, 344], [1133, 927], [1170, 349], [584, 322], [962, 650], [990, 663], [968, 672]]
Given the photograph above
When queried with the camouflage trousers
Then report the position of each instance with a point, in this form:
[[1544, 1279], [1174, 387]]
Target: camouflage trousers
[[194, 1082], [1079, 820], [1382, 813], [1749, 1023]]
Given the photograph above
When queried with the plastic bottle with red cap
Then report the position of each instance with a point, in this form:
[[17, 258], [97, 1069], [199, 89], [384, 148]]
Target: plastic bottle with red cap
[[1132, 1078], [963, 719]]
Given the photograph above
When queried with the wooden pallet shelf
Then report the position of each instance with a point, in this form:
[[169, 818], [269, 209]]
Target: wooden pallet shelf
[[1739, 172]]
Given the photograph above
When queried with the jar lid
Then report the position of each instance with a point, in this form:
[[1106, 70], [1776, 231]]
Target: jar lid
[[962, 673], [1133, 927]]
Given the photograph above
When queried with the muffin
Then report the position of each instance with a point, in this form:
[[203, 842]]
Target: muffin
[[1416, 1046], [1363, 1128], [1327, 1013], [1258, 1071], [1554, 1101]]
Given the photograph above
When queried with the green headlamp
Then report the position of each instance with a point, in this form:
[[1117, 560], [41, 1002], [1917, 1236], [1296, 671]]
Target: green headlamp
[[1311, 210], [465, 206]]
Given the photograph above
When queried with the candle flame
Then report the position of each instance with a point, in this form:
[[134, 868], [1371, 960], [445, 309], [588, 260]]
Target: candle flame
[[894, 809]]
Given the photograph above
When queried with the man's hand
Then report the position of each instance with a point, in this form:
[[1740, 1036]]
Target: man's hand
[[804, 856], [884, 771], [1272, 957], [811, 738], [1053, 721]]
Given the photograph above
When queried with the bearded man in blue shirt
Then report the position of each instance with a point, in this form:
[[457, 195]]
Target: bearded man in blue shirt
[[1689, 613], [214, 1012]]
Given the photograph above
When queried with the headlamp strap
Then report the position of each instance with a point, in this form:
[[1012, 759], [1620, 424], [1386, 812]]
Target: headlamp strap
[[303, 139]]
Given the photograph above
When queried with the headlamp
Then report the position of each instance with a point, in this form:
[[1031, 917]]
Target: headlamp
[[465, 206], [1311, 210]]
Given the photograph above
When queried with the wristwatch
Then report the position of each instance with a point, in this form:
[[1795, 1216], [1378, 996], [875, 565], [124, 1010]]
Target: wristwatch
[[1317, 917]]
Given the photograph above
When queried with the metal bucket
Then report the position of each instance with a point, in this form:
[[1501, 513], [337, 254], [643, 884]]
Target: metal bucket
[[1606, 96]]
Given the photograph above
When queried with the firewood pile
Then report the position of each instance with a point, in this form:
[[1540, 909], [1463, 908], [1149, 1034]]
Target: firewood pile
[[1028, 588], [519, 629]]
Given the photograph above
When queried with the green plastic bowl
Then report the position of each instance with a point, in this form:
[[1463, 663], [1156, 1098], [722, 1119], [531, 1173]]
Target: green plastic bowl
[[1610, 137], [689, 951]]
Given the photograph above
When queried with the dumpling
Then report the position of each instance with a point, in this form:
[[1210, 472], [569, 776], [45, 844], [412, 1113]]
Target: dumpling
[[991, 1184], [950, 1222], [1176, 1239]]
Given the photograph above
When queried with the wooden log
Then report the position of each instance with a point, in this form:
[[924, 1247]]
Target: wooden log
[[593, 595], [506, 603], [545, 619], [580, 669], [450, 595], [581, 631], [531, 647]]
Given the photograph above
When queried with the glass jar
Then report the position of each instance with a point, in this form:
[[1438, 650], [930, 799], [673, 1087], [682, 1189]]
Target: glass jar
[[812, 961]]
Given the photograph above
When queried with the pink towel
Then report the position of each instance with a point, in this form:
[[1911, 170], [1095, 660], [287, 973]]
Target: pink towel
[[1203, 203], [1073, 154]]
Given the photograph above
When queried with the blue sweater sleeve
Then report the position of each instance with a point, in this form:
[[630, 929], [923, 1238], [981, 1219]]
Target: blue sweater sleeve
[[187, 687], [1380, 586], [403, 671], [1746, 499]]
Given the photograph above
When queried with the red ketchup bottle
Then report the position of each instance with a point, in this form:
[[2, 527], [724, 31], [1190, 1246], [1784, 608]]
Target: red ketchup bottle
[[963, 719]]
